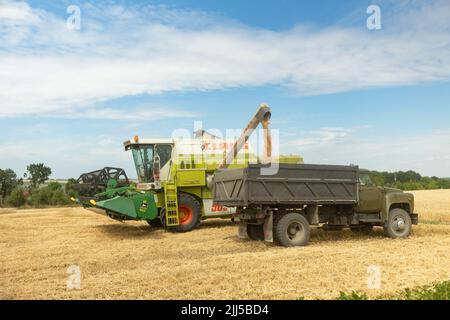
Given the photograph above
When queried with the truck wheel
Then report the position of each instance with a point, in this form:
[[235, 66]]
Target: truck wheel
[[189, 210], [291, 230], [255, 232], [398, 224]]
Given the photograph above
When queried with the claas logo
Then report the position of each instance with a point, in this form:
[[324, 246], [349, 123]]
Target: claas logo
[[217, 208]]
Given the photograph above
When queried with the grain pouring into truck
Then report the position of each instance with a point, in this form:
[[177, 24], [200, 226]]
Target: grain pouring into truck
[[174, 178]]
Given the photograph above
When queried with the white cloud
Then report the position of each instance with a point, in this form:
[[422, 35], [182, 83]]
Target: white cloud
[[67, 157], [426, 153], [324, 136], [124, 51], [149, 113]]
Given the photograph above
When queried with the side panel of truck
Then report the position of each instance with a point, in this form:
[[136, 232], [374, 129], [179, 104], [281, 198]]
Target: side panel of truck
[[293, 185]]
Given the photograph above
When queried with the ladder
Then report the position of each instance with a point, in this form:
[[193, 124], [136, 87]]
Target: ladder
[[171, 198]]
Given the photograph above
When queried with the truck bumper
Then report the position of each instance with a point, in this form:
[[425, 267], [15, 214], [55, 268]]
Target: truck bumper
[[414, 218]]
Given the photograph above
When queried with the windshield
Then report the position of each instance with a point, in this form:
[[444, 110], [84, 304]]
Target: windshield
[[143, 160], [144, 157]]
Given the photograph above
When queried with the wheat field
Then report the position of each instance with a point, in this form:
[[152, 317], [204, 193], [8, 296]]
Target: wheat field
[[133, 261]]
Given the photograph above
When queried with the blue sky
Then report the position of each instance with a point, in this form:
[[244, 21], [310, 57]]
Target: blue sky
[[340, 93]]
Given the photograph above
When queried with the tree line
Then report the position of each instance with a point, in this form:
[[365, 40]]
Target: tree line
[[14, 193], [408, 180]]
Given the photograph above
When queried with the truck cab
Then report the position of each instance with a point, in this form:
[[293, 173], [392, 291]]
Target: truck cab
[[381, 200]]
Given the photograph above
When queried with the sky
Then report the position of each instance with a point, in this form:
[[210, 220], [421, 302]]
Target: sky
[[340, 92]]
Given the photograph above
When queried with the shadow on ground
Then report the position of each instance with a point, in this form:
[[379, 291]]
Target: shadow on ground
[[217, 224], [131, 231], [134, 230]]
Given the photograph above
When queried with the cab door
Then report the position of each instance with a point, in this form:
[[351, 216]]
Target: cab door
[[370, 196], [370, 199]]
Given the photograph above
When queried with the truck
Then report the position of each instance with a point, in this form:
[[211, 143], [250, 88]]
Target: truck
[[282, 207], [174, 178]]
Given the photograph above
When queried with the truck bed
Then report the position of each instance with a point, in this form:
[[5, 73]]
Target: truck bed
[[294, 184]]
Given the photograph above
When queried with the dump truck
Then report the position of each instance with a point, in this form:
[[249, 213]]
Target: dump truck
[[174, 178], [282, 207]]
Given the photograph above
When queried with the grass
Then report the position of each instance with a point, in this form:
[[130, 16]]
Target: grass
[[437, 291], [133, 261]]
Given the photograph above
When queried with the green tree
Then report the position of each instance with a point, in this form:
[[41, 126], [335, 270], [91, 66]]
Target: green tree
[[38, 173], [8, 181], [409, 180], [17, 197]]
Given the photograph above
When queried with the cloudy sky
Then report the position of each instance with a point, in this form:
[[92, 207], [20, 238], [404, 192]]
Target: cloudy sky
[[340, 93]]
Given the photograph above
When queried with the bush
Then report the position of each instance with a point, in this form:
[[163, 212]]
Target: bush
[[51, 195], [437, 291], [69, 188], [17, 198], [352, 296]]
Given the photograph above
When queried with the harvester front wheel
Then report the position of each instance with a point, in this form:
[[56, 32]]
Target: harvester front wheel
[[189, 211]]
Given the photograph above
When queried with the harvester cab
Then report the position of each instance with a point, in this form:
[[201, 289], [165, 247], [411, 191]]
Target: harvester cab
[[152, 160]]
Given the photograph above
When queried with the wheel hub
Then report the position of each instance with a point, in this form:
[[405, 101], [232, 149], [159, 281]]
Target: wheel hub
[[185, 214], [399, 224], [294, 230]]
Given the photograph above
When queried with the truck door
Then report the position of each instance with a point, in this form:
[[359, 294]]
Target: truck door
[[370, 196]]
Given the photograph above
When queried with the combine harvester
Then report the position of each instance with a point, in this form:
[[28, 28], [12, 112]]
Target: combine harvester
[[174, 178]]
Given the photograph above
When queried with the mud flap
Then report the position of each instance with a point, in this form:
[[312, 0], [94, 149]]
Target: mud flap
[[268, 228], [243, 230]]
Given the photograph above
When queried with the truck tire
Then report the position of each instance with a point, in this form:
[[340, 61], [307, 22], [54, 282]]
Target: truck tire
[[190, 213], [255, 232], [398, 224], [291, 230]]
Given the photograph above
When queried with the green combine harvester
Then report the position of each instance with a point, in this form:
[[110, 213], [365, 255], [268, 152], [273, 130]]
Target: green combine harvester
[[174, 178]]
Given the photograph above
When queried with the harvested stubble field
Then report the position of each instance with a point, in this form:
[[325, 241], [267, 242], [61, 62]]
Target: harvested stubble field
[[133, 261]]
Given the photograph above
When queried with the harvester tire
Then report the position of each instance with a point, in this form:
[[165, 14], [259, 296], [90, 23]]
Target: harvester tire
[[398, 224], [291, 230], [190, 212], [255, 232]]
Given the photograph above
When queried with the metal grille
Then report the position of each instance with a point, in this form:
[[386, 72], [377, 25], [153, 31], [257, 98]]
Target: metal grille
[[171, 197]]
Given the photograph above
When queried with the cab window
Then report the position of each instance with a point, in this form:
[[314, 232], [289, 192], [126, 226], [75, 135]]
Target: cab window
[[165, 153], [364, 180]]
